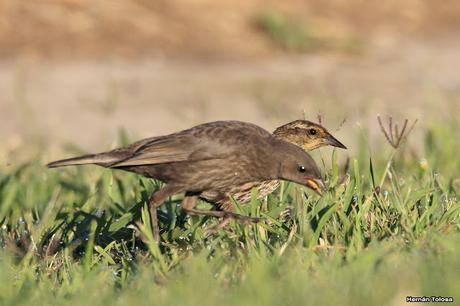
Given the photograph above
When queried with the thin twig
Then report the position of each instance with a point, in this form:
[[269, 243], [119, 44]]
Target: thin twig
[[383, 130], [341, 124], [402, 136], [390, 131], [412, 127], [320, 119], [393, 135]]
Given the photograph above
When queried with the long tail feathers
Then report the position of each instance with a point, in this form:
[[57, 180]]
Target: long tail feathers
[[98, 159]]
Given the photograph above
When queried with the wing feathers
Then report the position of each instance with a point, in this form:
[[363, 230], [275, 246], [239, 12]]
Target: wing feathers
[[151, 159], [158, 151], [198, 143]]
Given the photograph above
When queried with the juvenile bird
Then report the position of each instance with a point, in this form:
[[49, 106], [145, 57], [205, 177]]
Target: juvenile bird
[[303, 133], [209, 157]]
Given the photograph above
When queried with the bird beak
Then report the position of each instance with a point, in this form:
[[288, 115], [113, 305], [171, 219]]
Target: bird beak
[[331, 140], [317, 185]]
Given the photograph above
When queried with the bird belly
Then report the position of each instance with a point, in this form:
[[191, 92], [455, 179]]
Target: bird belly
[[241, 193]]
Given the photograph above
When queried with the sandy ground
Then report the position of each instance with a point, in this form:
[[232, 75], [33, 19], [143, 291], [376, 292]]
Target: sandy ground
[[206, 28], [77, 71], [87, 102]]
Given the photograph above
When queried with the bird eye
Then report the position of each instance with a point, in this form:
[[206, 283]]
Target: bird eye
[[302, 169], [312, 131]]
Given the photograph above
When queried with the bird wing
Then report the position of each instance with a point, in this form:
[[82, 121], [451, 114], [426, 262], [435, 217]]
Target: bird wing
[[216, 140], [173, 148], [158, 151]]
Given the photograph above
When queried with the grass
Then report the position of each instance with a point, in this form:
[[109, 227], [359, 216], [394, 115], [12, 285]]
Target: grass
[[290, 33], [295, 34], [79, 236]]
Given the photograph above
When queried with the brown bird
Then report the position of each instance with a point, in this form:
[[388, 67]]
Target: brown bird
[[209, 157], [303, 133]]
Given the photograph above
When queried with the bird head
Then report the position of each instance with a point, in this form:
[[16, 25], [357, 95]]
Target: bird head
[[297, 166], [307, 135]]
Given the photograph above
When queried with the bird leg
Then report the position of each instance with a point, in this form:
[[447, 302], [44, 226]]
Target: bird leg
[[189, 203], [156, 199], [229, 216], [223, 214]]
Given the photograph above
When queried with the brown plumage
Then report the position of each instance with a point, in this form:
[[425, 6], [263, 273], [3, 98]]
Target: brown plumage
[[209, 157], [303, 133]]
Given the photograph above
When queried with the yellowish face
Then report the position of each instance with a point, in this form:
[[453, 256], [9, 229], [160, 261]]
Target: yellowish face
[[307, 135]]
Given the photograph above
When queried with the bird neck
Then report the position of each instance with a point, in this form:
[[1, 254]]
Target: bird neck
[[277, 157]]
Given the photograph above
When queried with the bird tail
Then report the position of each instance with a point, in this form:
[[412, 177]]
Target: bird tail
[[98, 159]]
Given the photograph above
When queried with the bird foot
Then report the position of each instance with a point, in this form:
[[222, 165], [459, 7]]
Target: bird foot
[[227, 217]]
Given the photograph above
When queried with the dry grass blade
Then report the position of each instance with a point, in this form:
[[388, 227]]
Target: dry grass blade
[[393, 136], [341, 124], [320, 119], [383, 130], [390, 130]]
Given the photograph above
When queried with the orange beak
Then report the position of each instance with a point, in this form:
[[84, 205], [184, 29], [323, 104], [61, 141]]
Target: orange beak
[[317, 185]]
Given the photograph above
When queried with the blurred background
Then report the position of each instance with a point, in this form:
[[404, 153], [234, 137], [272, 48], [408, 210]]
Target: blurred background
[[79, 71]]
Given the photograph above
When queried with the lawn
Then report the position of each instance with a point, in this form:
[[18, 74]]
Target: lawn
[[387, 228]]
